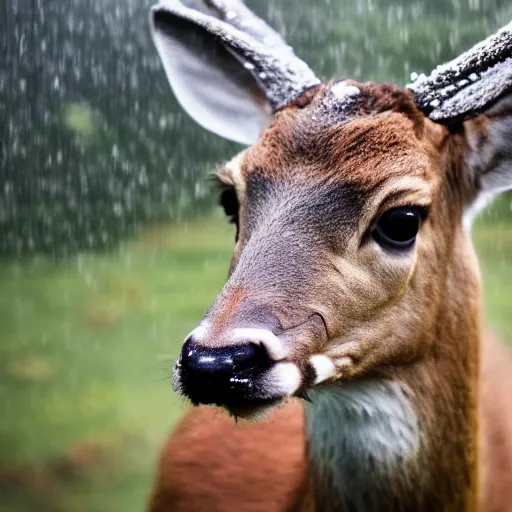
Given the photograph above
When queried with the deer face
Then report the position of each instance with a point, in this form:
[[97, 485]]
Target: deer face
[[349, 209], [331, 238]]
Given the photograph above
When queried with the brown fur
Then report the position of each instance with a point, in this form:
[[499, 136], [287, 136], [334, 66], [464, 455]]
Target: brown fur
[[381, 153], [197, 462], [234, 298], [496, 426], [297, 148]]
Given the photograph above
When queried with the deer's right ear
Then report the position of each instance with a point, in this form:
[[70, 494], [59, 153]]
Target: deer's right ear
[[228, 69], [476, 89]]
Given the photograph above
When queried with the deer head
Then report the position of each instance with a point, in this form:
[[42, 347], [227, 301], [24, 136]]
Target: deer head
[[352, 257]]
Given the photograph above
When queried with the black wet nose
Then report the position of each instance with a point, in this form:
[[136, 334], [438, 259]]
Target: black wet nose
[[225, 360], [220, 375]]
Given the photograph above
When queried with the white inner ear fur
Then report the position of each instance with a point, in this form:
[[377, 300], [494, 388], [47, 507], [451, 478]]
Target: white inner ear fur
[[489, 158], [223, 100]]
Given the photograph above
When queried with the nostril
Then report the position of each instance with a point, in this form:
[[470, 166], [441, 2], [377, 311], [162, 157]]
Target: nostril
[[197, 358], [249, 356]]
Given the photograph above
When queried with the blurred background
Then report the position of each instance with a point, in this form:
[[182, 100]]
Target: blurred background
[[111, 247]]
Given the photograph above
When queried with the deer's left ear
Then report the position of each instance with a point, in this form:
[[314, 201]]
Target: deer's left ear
[[476, 89]]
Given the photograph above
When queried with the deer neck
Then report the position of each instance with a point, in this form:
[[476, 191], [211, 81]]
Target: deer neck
[[407, 439]]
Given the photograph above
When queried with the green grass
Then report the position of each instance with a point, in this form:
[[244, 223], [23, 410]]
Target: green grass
[[86, 346]]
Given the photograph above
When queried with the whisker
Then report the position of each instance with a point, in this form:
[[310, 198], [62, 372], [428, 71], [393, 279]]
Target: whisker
[[167, 378], [160, 371]]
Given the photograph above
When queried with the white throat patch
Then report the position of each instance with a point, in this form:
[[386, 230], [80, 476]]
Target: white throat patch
[[360, 436]]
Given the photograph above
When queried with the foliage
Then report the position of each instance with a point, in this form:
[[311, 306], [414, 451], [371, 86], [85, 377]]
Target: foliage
[[94, 144]]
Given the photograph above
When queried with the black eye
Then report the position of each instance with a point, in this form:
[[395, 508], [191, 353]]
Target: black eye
[[229, 203], [397, 228]]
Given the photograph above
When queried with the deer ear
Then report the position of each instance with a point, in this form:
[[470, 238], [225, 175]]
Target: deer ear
[[228, 69], [475, 89], [469, 84], [488, 159]]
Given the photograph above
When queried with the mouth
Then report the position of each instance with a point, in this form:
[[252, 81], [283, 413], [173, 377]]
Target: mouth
[[246, 394]]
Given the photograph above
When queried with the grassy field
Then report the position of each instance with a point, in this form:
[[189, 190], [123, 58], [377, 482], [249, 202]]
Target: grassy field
[[86, 347]]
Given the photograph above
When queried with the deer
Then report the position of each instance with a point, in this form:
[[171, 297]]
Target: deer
[[348, 338]]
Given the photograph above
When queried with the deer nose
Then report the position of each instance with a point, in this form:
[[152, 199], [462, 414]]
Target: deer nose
[[228, 360], [214, 375]]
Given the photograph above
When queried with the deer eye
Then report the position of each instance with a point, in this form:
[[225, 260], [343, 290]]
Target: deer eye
[[397, 228], [230, 205]]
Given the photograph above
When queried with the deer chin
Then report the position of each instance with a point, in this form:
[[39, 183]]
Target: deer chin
[[253, 413]]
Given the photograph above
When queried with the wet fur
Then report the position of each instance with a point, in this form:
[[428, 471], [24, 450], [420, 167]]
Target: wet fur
[[349, 429], [415, 325], [226, 460]]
